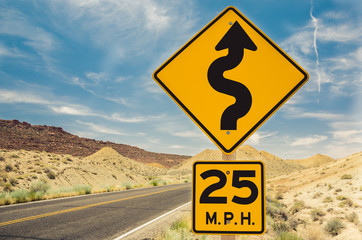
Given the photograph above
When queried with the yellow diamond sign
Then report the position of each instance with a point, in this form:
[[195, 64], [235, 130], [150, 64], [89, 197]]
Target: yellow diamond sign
[[230, 78], [228, 197]]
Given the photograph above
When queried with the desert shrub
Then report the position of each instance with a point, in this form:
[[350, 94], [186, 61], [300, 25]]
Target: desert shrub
[[127, 185], [5, 199], [297, 207], [13, 181], [8, 187], [314, 233], [317, 195], [179, 225], [334, 226], [61, 192], [154, 182], [19, 195], [288, 236], [106, 187], [346, 176], [14, 156], [3, 176], [279, 195], [293, 223], [82, 189], [179, 229], [40, 186], [35, 196], [275, 209], [327, 200], [352, 217], [151, 177], [280, 227], [49, 173], [9, 168], [341, 197], [316, 213], [348, 202]]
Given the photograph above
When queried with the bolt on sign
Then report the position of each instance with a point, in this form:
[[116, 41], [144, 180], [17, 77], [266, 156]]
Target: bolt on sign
[[228, 197], [230, 78]]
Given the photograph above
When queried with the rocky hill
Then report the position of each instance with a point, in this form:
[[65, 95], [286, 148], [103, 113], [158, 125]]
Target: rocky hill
[[274, 166], [18, 135], [315, 161]]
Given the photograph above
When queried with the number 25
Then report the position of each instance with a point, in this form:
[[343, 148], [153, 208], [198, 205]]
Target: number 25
[[205, 196]]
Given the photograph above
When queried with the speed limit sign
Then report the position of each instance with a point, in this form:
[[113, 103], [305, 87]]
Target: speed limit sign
[[228, 197]]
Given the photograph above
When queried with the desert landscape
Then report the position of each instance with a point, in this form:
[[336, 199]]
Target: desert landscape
[[314, 198]]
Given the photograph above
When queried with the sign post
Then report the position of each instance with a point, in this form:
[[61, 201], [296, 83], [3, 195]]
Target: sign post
[[229, 79], [228, 157]]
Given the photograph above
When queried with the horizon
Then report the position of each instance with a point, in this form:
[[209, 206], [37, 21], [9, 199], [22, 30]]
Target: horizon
[[86, 66], [206, 149]]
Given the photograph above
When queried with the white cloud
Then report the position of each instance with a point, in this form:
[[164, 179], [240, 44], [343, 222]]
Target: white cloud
[[10, 52], [347, 132], [308, 140], [15, 23], [122, 79], [125, 27], [348, 136], [101, 129], [120, 118], [12, 96], [96, 77], [187, 134], [256, 137], [339, 33], [347, 125], [60, 107], [345, 32], [177, 146], [319, 115], [296, 112], [77, 110]]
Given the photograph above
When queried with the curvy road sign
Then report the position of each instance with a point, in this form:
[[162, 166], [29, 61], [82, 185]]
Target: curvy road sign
[[230, 78]]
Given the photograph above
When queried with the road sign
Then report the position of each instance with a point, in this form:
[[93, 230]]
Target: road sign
[[230, 78], [228, 197]]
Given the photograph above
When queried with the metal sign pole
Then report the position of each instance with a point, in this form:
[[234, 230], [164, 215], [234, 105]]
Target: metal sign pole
[[229, 157]]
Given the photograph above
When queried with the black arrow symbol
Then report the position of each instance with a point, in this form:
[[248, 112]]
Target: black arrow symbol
[[236, 40]]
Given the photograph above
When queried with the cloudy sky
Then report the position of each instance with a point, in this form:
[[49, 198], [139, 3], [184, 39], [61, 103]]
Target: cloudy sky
[[87, 65]]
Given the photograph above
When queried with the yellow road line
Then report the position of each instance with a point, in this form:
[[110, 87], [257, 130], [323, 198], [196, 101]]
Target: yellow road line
[[80, 208]]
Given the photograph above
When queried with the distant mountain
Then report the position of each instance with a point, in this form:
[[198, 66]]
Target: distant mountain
[[18, 135], [315, 161], [274, 166]]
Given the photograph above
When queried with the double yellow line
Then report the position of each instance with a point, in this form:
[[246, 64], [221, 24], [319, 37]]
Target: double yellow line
[[81, 207]]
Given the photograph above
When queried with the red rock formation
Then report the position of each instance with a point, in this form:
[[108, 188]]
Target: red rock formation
[[22, 135]]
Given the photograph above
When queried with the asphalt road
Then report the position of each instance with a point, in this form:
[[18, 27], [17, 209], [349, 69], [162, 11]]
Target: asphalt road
[[98, 216]]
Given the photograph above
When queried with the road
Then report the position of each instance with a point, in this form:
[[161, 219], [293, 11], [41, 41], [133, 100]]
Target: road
[[95, 216]]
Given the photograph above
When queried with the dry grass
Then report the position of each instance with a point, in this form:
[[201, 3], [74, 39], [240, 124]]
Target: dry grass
[[335, 198], [334, 226]]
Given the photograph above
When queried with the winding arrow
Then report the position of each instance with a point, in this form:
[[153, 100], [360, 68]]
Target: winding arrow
[[236, 40]]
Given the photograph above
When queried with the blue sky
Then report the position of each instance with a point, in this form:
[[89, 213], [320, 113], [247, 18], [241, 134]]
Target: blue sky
[[86, 66]]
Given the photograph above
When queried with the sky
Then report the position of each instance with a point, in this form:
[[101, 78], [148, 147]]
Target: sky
[[87, 65]]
